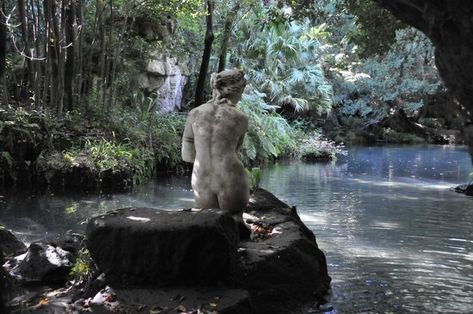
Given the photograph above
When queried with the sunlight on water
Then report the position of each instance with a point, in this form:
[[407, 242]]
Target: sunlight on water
[[399, 184], [397, 239]]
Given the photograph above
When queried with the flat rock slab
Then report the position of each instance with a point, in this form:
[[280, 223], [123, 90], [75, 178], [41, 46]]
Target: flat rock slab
[[149, 247]]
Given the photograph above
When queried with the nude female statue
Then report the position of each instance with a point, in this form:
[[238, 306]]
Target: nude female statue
[[213, 134]]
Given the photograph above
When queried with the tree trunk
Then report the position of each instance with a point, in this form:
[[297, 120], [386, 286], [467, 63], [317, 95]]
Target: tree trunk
[[59, 88], [115, 60], [103, 56], [36, 63], [79, 53], [3, 54], [204, 67], [69, 66], [226, 36], [48, 63], [3, 42], [22, 17]]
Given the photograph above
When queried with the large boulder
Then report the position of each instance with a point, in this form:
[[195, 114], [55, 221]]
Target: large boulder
[[149, 247], [70, 242], [9, 244], [286, 262], [149, 251]]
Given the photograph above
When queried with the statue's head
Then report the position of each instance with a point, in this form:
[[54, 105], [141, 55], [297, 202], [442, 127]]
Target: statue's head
[[228, 84]]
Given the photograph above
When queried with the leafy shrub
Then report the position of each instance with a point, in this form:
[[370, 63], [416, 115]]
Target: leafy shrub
[[98, 159], [104, 155], [269, 135], [316, 147], [83, 265], [141, 125]]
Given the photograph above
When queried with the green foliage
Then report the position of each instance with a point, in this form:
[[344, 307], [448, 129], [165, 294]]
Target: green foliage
[[20, 125], [269, 135], [254, 175], [159, 133], [397, 80], [391, 136], [128, 142], [284, 62], [170, 7], [109, 156], [82, 266], [100, 158], [375, 28]]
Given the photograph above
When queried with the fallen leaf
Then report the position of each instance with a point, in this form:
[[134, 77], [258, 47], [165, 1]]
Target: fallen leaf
[[43, 301], [110, 298], [155, 310]]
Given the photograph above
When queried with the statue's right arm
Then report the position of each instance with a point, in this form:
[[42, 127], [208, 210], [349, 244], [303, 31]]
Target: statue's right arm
[[188, 148]]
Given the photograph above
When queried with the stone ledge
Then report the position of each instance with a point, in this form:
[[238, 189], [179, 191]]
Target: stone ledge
[[281, 268]]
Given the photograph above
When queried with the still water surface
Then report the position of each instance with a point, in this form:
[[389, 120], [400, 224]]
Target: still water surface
[[397, 239]]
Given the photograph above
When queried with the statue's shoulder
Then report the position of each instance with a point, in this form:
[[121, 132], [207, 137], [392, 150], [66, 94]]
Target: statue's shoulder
[[194, 113], [240, 113], [241, 116]]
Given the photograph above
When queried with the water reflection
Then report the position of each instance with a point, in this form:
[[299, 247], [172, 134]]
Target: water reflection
[[34, 217], [397, 239]]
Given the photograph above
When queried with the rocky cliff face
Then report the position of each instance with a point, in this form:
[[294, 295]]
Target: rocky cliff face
[[165, 78], [449, 24]]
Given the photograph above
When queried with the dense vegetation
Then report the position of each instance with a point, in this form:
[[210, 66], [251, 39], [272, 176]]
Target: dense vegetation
[[74, 111]]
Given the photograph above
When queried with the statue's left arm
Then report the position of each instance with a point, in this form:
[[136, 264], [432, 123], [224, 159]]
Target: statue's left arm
[[242, 137]]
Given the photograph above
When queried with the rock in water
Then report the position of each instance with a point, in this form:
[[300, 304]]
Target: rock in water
[[44, 263], [9, 244], [287, 268], [144, 247], [465, 188]]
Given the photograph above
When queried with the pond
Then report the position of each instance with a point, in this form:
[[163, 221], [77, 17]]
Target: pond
[[396, 237]]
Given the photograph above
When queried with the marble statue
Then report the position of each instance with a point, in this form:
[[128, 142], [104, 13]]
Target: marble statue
[[213, 134]]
